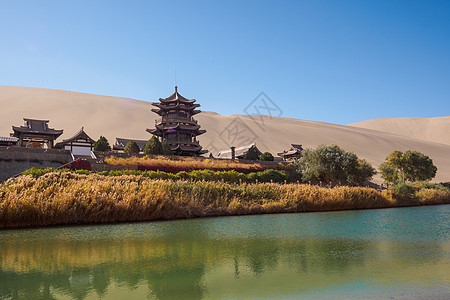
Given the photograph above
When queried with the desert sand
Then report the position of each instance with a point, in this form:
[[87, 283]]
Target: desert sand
[[429, 129], [128, 118]]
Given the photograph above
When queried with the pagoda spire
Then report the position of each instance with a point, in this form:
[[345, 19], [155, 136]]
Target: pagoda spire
[[176, 126]]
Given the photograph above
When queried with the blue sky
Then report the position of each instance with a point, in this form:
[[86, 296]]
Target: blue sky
[[331, 61]]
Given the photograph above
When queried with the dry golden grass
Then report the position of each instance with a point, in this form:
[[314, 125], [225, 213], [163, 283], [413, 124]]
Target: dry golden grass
[[67, 198], [168, 162]]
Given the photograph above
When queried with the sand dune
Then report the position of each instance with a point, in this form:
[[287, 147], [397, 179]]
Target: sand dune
[[121, 117], [429, 129]]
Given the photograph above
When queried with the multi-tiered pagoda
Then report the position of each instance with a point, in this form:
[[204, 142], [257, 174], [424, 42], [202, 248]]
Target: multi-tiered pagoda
[[176, 126]]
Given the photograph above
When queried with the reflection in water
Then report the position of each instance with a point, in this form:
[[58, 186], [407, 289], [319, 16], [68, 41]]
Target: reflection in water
[[308, 255]]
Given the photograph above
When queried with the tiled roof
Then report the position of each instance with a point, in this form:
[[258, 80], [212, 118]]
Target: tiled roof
[[8, 139]]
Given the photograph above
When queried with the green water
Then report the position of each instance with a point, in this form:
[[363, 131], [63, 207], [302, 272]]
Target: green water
[[398, 253]]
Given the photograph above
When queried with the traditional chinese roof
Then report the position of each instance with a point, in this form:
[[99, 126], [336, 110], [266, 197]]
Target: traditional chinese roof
[[80, 136], [295, 149], [175, 102], [34, 126], [181, 106], [8, 139], [179, 127], [121, 143], [240, 152], [176, 97]]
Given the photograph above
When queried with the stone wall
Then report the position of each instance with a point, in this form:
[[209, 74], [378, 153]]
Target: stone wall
[[14, 160]]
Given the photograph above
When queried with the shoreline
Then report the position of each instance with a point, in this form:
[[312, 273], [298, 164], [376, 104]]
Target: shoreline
[[209, 217], [66, 199]]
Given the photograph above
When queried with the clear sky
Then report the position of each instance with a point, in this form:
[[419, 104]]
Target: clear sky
[[331, 61]]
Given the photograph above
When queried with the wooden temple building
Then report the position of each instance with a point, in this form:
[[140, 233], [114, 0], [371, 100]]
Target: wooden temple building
[[35, 133], [238, 153], [8, 141], [292, 154], [80, 144], [121, 143], [177, 126]]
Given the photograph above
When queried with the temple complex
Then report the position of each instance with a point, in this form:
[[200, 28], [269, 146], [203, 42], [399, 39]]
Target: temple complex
[[80, 144], [292, 154], [121, 143], [35, 133], [177, 126]]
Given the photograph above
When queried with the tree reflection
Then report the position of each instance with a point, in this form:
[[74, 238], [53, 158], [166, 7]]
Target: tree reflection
[[174, 265]]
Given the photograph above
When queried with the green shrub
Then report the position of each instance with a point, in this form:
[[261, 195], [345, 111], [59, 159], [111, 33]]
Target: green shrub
[[36, 172], [404, 191], [153, 146], [132, 148], [429, 185], [272, 175], [266, 156], [102, 144]]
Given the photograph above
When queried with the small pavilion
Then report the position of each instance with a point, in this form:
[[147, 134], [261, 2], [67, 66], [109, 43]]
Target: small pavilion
[[35, 132], [292, 154], [80, 144]]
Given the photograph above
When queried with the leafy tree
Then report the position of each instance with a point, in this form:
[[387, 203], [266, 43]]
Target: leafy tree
[[409, 166], [252, 154], [266, 156], [418, 166], [153, 146], [165, 149], [390, 173], [330, 163], [132, 148], [102, 144]]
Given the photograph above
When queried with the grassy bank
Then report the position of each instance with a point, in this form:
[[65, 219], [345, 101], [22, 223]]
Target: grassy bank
[[174, 164], [230, 176], [67, 198]]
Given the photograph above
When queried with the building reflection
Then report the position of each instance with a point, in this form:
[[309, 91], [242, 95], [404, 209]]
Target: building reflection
[[175, 267]]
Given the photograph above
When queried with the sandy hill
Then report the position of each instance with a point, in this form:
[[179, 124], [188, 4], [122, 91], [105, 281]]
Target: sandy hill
[[121, 117], [429, 129]]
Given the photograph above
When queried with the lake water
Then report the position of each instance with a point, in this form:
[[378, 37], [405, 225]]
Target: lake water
[[401, 253]]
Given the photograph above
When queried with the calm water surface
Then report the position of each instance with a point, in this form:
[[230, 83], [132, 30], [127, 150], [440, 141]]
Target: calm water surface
[[401, 253]]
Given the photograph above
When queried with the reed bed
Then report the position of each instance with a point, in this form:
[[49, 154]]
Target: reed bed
[[176, 163], [68, 198]]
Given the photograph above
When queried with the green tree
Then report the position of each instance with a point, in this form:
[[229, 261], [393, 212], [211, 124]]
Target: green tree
[[266, 156], [165, 149], [330, 163], [153, 146], [132, 148], [390, 173], [409, 166], [102, 144]]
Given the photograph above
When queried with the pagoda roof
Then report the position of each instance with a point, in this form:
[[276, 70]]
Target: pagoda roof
[[35, 126], [159, 131], [176, 97], [166, 106], [295, 149], [80, 135], [178, 126], [122, 142], [191, 148]]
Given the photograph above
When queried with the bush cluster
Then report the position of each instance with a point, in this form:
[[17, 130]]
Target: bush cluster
[[68, 198]]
